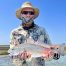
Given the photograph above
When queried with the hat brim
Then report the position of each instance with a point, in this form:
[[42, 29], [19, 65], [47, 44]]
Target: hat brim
[[18, 13]]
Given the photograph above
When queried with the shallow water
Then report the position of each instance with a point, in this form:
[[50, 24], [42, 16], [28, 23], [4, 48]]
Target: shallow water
[[6, 61]]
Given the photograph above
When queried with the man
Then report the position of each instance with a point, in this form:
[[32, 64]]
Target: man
[[28, 32]]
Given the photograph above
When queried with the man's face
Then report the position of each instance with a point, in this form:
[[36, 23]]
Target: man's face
[[28, 13]]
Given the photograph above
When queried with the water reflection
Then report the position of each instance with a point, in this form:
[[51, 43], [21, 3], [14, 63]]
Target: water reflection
[[7, 61]]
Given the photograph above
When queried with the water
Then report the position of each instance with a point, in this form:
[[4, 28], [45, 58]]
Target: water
[[6, 61]]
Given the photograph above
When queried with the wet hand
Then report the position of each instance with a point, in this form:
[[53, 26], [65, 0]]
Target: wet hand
[[48, 54], [24, 55]]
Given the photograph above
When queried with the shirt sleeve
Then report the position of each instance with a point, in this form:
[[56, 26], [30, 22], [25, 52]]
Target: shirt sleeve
[[44, 36], [13, 39]]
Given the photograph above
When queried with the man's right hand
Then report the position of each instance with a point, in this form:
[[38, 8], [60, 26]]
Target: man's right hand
[[24, 55]]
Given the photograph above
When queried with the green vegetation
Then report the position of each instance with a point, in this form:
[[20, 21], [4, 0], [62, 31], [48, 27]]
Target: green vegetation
[[4, 52], [4, 49]]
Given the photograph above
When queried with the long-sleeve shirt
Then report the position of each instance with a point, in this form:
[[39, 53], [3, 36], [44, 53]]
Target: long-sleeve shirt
[[23, 34]]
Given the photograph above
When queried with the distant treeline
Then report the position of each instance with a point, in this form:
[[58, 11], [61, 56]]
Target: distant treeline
[[4, 47]]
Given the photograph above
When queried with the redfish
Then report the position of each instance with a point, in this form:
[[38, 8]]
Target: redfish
[[35, 50]]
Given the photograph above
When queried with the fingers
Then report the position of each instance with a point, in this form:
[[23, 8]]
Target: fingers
[[24, 55], [48, 54]]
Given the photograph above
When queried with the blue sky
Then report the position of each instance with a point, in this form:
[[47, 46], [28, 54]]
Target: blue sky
[[52, 17]]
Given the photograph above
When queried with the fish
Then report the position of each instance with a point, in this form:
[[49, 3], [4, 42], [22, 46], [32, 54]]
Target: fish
[[48, 52], [36, 50]]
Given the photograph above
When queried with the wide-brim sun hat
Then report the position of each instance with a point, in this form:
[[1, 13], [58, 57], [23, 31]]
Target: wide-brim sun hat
[[27, 5]]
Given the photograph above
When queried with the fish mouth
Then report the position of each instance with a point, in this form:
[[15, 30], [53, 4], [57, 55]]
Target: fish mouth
[[56, 56]]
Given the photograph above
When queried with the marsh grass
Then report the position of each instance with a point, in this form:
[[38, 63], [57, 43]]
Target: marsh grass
[[4, 52]]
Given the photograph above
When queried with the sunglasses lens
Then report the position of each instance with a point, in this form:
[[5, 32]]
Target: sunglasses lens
[[24, 12], [28, 12], [31, 13]]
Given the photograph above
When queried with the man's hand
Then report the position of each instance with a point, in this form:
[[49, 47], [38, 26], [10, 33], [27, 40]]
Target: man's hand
[[24, 55], [48, 54]]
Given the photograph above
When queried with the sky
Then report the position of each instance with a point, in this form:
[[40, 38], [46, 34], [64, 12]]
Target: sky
[[52, 17]]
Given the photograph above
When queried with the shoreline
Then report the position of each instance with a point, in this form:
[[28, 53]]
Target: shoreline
[[4, 55]]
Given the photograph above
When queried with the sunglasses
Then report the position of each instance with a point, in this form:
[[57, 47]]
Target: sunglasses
[[28, 12]]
